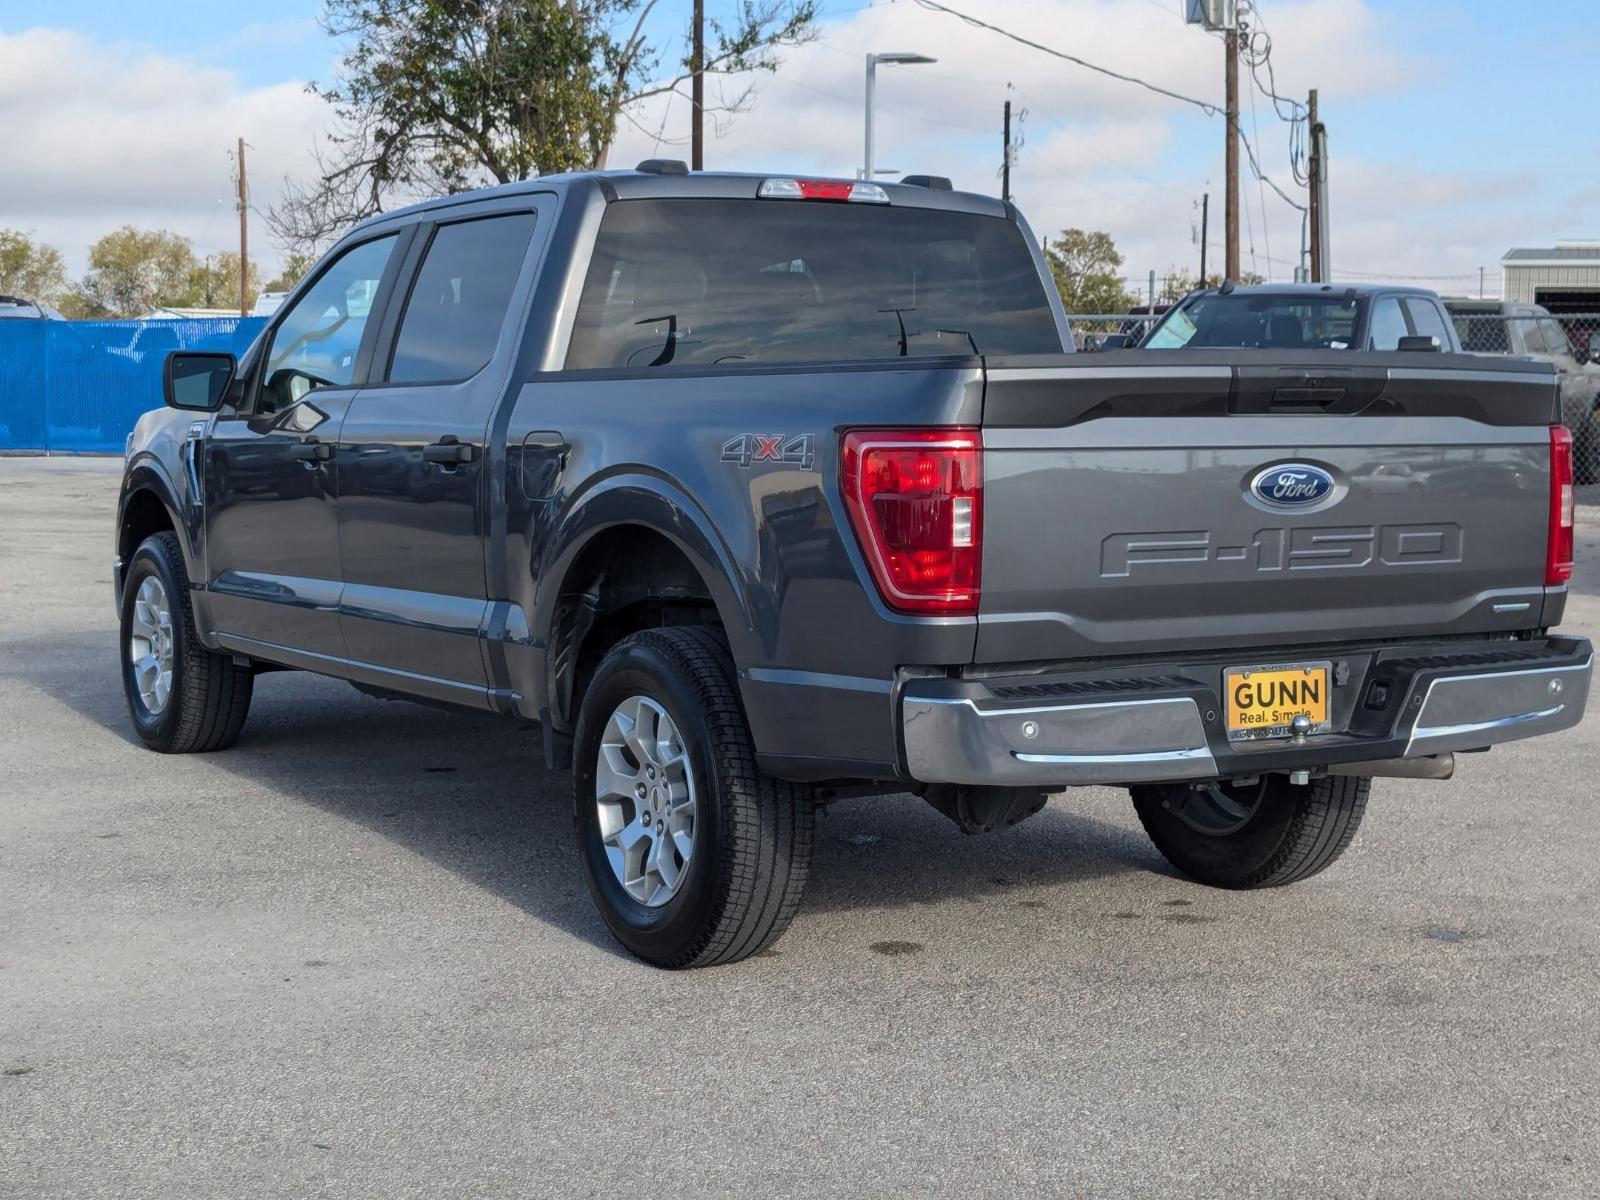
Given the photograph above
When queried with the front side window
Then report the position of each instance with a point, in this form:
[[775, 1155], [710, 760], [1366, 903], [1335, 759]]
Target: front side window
[[316, 342], [458, 306], [1388, 325], [763, 281]]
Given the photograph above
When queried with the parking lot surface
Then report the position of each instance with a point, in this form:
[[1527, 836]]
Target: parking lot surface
[[354, 956]]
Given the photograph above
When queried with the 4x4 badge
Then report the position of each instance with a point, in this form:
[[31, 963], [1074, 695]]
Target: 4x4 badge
[[795, 450]]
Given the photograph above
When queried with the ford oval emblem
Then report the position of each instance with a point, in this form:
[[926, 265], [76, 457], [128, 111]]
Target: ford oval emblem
[[1292, 485]]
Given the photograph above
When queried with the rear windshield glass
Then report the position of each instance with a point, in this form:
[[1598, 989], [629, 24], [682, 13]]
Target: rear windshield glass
[[769, 281], [1249, 321]]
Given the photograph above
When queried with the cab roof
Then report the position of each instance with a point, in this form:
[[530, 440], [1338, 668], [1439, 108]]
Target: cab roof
[[715, 185], [1353, 290]]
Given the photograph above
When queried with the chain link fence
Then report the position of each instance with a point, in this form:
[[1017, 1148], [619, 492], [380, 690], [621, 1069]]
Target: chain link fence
[[1571, 341]]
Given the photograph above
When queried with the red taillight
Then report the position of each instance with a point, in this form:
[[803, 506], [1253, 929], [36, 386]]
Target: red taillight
[[1558, 557], [915, 498]]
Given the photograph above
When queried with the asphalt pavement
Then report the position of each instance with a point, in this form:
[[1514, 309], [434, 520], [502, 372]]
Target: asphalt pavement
[[354, 956]]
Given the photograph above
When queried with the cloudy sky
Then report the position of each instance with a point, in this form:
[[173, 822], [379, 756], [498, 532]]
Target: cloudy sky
[[1456, 130]]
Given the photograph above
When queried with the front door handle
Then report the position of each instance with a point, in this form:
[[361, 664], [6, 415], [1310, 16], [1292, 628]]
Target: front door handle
[[449, 452], [311, 451]]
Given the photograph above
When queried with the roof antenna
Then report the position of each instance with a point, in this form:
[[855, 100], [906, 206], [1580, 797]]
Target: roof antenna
[[1227, 287]]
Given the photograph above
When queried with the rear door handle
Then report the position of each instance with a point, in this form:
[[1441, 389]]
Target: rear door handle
[[449, 452], [311, 450]]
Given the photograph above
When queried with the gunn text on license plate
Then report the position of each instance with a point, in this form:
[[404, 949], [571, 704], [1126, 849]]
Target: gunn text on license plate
[[1263, 701]]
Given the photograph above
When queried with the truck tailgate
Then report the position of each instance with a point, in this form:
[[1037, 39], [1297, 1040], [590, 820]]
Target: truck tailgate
[[1133, 502]]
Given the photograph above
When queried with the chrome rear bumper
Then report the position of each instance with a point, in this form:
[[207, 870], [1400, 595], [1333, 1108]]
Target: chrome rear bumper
[[956, 741], [1465, 712], [998, 733]]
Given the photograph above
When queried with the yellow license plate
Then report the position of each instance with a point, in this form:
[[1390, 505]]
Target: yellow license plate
[[1264, 701]]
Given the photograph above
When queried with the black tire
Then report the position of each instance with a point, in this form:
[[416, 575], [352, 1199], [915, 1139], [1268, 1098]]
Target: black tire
[[210, 693], [1254, 836], [752, 836]]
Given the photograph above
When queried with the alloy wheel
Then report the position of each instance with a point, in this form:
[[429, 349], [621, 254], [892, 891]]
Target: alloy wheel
[[645, 801]]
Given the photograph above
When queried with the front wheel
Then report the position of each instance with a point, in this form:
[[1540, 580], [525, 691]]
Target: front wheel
[[183, 698], [693, 855], [1263, 834]]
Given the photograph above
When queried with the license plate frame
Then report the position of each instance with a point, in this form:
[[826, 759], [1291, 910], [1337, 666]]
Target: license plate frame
[[1254, 721]]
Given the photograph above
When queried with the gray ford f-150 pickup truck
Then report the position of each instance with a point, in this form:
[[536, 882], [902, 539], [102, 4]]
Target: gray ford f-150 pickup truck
[[759, 491]]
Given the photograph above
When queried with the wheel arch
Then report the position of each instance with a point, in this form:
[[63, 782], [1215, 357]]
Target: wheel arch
[[148, 505], [633, 553]]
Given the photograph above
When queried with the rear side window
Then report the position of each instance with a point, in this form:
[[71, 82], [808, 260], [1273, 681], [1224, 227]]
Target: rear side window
[[458, 305], [1555, 337], [1532, 337], [1427, 322], [763, 281]]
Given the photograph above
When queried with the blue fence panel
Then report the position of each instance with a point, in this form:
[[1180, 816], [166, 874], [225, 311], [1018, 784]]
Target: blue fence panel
[[79, 386]]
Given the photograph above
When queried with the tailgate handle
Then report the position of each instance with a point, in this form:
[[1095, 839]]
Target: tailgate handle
[[1307, 397]]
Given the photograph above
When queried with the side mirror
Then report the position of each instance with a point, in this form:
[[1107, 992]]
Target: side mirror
[[1116, 341], [1420, 341], [197, 381]]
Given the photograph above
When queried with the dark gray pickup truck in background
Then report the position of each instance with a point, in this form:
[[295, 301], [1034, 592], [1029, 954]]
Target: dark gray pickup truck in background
[[758, 491]]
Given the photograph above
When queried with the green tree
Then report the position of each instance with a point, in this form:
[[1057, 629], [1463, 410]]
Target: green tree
[[31, 270], [215, 283], [295, 268], [437, 96], [134, 270], [1086, 267], [1178, 283]]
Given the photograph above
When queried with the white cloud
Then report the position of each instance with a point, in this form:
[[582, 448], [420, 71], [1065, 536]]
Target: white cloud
[[99, 135], [102, 135], [1103, 154]]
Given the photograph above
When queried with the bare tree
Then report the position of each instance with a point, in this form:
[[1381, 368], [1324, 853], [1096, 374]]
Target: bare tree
[[438, 96]]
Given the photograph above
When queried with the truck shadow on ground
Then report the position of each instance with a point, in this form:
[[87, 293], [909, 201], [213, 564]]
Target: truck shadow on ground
[[469, 792]]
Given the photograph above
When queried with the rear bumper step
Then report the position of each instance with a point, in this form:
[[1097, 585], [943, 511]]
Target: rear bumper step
[[1388, 703]]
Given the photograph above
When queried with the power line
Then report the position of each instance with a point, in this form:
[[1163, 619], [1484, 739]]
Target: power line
[[1210, 110]]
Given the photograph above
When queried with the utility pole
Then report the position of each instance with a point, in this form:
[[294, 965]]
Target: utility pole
[[697, 138], [1480, 283], [1005, 163], [1230, 266], [1313, 191], [1205, 231], [244, 238], [1320, 240]]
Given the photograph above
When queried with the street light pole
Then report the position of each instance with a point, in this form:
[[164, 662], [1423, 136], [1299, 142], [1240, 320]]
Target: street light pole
[[872, 81], [873, 60]]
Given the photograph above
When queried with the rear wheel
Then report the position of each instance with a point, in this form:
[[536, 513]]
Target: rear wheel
[[1263, 834], [693, 855], [183, 698]]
